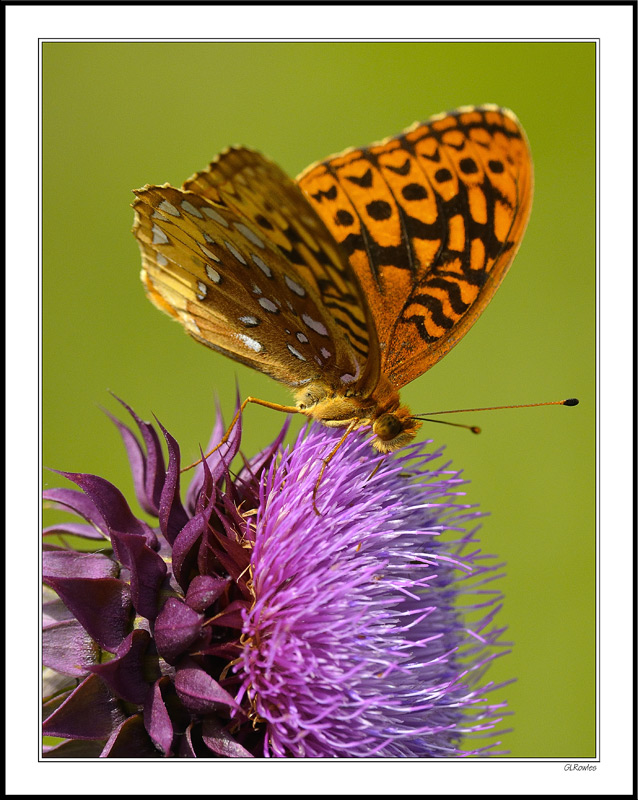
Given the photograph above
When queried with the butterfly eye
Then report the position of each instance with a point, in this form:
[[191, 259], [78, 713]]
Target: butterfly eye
[[387, 427]]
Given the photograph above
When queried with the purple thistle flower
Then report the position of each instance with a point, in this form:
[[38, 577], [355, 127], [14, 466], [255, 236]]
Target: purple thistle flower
[[245, 625]]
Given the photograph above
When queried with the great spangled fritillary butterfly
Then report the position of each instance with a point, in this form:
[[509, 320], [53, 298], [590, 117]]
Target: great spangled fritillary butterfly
[[354, 280]]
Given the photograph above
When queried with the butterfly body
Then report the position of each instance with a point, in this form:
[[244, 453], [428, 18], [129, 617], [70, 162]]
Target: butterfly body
[[393, 424], [350, 282]]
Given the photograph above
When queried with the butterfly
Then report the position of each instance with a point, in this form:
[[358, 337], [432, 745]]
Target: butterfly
[[356, 278]]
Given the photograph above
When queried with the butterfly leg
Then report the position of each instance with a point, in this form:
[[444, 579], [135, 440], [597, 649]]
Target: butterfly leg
[[226, 436], [353, 424], [374, 471]]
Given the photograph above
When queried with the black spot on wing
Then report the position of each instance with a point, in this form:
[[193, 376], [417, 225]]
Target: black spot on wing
[[364, 181]]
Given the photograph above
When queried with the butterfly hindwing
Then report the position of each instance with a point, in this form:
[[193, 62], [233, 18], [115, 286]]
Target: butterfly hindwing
[[209, 265], [257, 189], [430, 221]]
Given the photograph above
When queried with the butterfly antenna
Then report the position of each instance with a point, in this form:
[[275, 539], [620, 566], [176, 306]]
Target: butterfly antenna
[[473, 428], [572, 401]]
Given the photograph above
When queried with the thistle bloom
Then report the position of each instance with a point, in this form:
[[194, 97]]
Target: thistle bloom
[[246, 625]]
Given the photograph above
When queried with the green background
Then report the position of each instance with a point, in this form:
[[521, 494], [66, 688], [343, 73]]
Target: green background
[[119, 115]]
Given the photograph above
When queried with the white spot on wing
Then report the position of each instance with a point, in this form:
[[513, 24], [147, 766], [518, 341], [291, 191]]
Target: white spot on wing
[[295, 352], [318, 327], [212, 214], [302, 338], [190, 324], [207, 252], [159, 237], [169, 208], [253, 344], [262, 266], [264, 302], [202, 290], [235, 252], [190, 208], [208, 238], [325, 353], [213, 274], [250, 321], [347, 378], [250, 235], [161, 260], [294, 286]]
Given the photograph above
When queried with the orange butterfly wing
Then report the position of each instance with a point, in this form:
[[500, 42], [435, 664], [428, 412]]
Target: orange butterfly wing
[[430, 220]]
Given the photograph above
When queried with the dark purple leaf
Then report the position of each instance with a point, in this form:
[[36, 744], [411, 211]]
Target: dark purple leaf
[[74, 564], [54, 611], [53, 697], [184, 553], [219, 461], [74, 529], [157, 721], [207, 492], [199, 692], [226, 650], [228, 552], [132, 670], [172, 516], [101, 605], [219, 741], [130, 740], [186, 746], [152, 479], [204, 590], [112, 505], [67, 648], [231, 616], [177, 626], [147, 572], [90, 712], [199, 474], [76, 502]]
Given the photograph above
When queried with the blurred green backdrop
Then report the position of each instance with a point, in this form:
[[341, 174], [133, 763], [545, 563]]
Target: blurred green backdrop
[[119, 115]]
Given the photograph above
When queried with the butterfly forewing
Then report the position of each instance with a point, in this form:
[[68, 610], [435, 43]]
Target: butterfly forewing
[[430, 221], [210, 266]]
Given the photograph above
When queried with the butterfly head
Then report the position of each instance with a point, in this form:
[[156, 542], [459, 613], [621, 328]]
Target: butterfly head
[[394, 429]]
